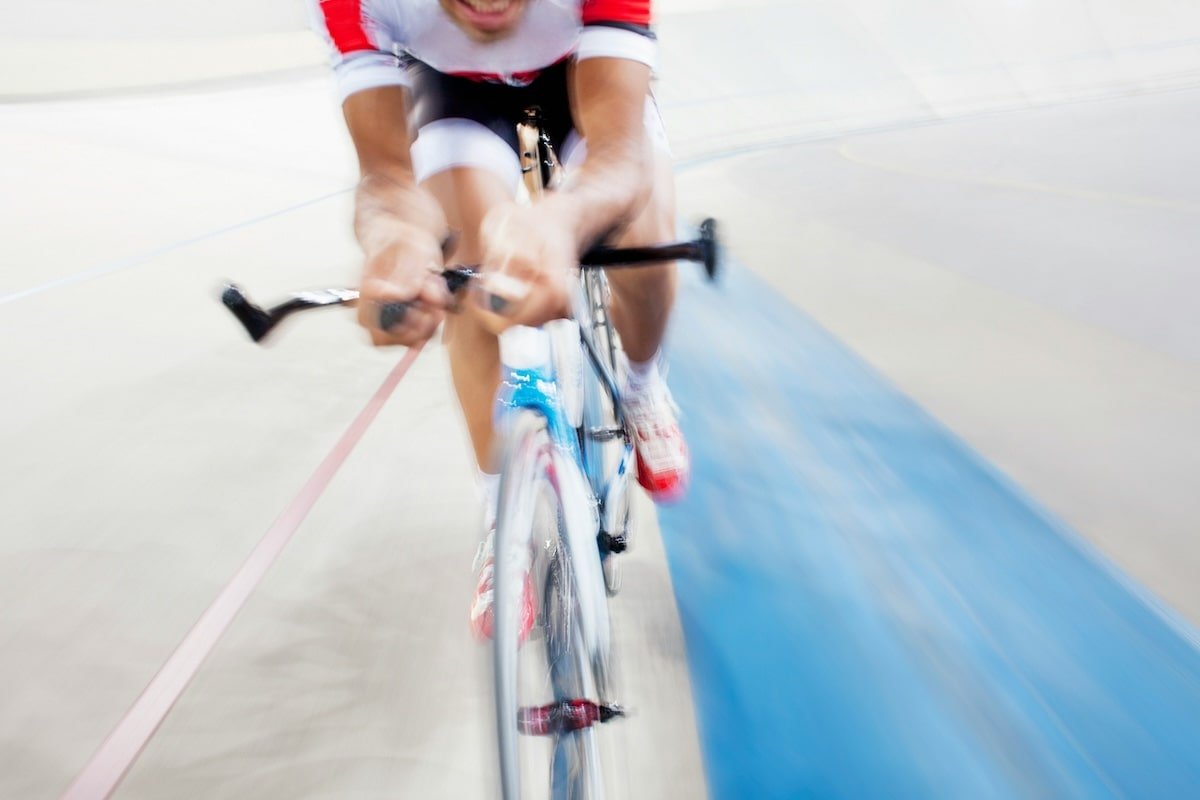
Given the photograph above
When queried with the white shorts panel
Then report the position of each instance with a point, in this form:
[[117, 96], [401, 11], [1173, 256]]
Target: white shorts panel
[[448, 143]]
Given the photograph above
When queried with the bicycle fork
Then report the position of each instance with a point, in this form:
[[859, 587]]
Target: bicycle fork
[[532, 380]]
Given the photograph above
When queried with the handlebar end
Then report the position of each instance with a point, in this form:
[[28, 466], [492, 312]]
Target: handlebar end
[[256, 321], [709, 247], [392, 314]]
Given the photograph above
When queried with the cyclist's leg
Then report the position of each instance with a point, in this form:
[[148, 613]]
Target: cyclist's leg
[[466, 195], [466, 155], [641, 306], [642, 298], [642, 301]]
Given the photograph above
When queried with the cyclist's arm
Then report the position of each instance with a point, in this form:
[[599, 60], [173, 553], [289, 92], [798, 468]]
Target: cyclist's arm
[[388, 202], [614, 182], [399, 225]]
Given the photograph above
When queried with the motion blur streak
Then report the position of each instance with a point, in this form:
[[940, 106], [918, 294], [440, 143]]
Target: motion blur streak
[[881, 614], [116, 755], [110, 267]]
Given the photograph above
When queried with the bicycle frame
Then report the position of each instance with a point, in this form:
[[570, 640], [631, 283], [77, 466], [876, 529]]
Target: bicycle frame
[[533, 363]]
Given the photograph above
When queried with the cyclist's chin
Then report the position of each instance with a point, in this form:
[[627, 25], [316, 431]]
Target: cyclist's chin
[[485, 20]]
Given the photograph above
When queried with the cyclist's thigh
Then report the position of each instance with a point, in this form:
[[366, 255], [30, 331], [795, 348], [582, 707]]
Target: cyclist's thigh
[[471, 124], [465, 154], [467, 194], [655, 222], [642, 298]]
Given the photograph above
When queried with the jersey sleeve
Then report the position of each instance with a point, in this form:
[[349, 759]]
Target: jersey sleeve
[[362, 48], [617, 29]]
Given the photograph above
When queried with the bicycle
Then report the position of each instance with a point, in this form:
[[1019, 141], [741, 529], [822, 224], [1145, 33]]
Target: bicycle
[[563, 508]]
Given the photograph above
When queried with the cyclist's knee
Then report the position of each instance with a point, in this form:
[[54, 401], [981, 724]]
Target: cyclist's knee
[[655, 222], [466, 195], [469, 329]]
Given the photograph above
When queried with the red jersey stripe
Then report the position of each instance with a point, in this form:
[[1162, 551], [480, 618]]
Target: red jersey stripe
[[631, 12], [344, 21]]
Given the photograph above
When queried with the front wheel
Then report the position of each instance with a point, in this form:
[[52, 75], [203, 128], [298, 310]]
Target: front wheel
[[549, 686]]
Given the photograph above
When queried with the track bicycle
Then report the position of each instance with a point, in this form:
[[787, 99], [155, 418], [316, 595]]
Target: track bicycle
[[563, 511]]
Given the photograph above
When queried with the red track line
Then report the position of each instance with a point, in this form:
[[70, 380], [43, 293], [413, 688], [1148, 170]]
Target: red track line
[[121, 749]]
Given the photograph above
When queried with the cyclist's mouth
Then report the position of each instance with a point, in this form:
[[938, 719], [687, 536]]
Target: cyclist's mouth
[[489, 16]]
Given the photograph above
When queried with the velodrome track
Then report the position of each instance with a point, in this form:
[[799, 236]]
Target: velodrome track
[[943, 409]]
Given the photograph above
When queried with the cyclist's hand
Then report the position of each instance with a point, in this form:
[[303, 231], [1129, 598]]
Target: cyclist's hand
[[530, 258], [406, 268]]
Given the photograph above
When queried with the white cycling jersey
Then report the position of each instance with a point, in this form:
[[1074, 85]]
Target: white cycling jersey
[[370, 39]]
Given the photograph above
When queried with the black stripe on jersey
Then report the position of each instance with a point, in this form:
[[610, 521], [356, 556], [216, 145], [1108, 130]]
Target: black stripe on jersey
[[625, 26]]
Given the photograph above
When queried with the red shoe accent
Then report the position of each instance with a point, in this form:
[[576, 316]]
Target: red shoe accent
[[483, 607], [663, 467], [665, 487]]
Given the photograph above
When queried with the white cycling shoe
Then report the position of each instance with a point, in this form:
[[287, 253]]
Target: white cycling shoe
[[663, 466]]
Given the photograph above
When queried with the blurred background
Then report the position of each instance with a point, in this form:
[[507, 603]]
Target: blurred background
[[943, 408]]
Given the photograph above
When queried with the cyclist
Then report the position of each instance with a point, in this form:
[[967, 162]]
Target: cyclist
[[459, 74]]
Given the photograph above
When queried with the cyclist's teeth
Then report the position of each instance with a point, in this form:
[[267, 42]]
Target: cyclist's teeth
[[488, 6]]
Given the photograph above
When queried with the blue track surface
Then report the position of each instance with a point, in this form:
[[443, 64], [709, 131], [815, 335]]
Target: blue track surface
[[871, 611]]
